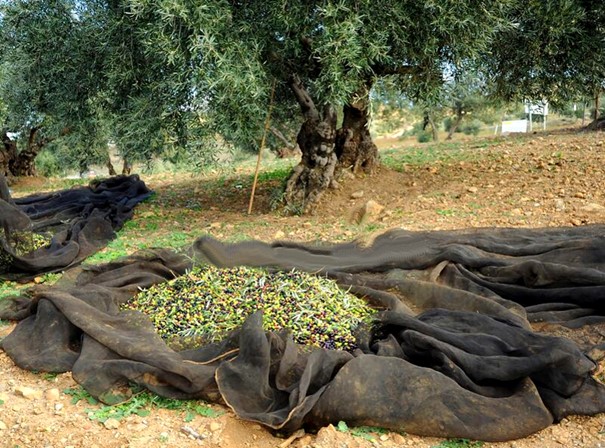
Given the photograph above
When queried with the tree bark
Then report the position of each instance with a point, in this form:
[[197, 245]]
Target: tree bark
[[456, 123], [315, 172], [428, 121], [25, 162], [126, 167], [354, 146], [110, 168]]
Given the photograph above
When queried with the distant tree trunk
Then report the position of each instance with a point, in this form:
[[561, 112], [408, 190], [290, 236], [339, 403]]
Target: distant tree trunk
[[25, 162], [315, 172], [110, 168], [126, 167], [354, 146], [456, 123], [428, 121], [598, 122]]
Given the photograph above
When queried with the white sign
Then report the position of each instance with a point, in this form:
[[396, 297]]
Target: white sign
[[514, 126], [537, 108]]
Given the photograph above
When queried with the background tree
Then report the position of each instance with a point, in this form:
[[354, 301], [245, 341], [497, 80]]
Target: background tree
[[555, 51], [50, 78]]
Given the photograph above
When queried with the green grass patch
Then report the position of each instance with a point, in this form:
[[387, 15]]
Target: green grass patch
[[368, 433], [141, 404], [10, 289]]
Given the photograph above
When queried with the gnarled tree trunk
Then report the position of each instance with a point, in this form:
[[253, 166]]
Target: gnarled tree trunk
[[25, 162], [315, 172], [354, 146]]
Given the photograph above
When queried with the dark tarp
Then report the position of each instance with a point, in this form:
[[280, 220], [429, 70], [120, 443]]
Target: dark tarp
[[452, 354], [81, 221]]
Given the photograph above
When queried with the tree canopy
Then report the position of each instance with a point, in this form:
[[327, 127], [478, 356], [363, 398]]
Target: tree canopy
[[155, 76]]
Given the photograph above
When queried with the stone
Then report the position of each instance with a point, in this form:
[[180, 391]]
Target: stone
[[279, 235], [593, 208], [52, 394], [215, 426], [111, 423], [559, 205], [3, 426], [357, 194], [28, 392], [368, 212], [472, 189]]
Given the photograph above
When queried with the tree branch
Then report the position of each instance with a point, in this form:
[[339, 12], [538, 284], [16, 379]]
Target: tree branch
[[307, 106], [280, 136]]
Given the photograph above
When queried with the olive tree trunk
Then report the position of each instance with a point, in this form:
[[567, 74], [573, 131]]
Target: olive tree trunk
[[355, 149], [456, 123], [315, 172], [24, 164]]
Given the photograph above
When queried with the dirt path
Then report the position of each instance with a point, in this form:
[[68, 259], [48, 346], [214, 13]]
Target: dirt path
[[536, 181]]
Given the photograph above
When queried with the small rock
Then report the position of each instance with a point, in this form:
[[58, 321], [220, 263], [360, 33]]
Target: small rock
[[58, 406], [52, 394], [215, 426], [357, 194], [138, 427], [111, 423], [384, 437], [28, 392], [472, 189], [279, 235], [593, 208], [398, 439], [3, 426], [369, 212], [559, 205], [215, 225]]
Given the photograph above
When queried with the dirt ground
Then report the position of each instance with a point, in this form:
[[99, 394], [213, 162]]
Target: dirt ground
[[530, 181]]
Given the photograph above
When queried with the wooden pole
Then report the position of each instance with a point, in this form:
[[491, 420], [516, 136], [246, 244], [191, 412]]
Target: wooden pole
[[262, 146]]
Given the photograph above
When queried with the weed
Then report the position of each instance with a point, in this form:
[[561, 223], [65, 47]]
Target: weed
[[50, 376], [446, 212], [10, 289], [365, 432], [78, 394], [140, 404]]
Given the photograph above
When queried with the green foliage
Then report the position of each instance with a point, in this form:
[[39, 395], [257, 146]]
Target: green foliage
[[208, 303], [555, 51], [424, 136], [140, 404], [9, 289], [79, 394], [368, 433], [176, 79]]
